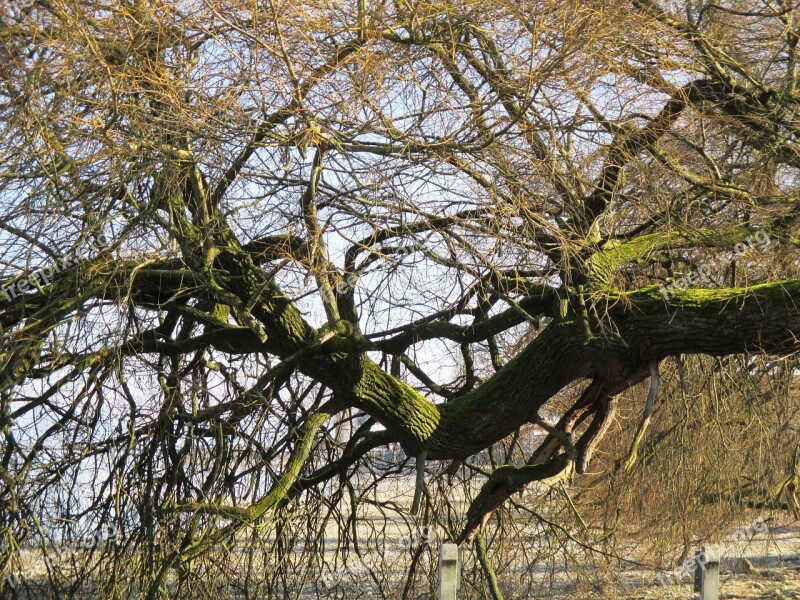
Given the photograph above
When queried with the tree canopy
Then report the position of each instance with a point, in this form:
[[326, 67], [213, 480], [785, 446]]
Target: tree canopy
[[249, 246]]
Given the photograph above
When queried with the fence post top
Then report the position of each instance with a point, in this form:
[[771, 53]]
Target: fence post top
[[448, 552], [712, 554]]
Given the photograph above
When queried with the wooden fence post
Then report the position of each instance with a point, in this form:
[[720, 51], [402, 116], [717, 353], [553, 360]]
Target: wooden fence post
[[706, 573], [449, 571]]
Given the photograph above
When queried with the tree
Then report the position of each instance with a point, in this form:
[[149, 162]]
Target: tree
[[249, 245]]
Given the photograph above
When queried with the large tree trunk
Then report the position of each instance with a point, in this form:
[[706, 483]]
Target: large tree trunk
[[648, 328]]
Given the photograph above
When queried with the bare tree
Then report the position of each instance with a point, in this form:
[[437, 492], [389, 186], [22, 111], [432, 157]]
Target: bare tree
[[258, 256]]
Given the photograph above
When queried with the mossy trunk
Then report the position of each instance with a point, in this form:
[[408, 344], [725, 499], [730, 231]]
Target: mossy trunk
[[636, 329]]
